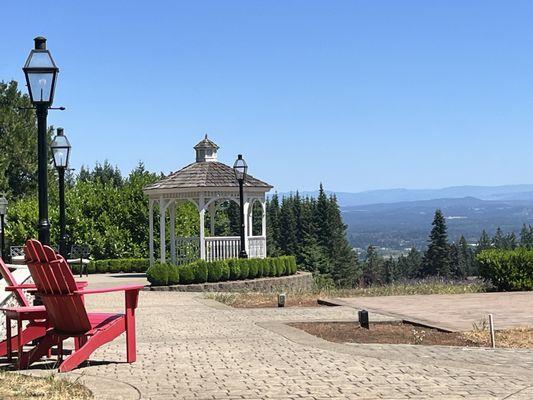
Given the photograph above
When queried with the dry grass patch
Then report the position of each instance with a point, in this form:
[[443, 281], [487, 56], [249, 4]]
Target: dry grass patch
[[15, 386], [516, 338], [309, 298]]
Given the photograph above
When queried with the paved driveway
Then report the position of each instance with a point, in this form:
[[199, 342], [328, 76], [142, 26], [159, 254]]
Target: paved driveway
[[192, 348], [455, 312]]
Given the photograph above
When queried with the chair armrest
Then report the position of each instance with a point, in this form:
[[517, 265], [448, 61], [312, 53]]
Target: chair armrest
[[17, 287], [30, 286], [111, 289]]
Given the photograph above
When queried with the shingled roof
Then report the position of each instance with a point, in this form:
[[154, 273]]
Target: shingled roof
[[205, 174]]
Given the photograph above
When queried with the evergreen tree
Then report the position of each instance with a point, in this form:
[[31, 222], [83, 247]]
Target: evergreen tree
[[288, 239], [437, 256], [484, 242], [461, 258], [273, 229], [498, 240], [409, 265], [372, 267], [526, 237]]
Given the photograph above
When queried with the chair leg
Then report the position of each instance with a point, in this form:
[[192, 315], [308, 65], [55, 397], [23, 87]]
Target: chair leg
[[9, 344], [92, 343], [131, 353], [29, 334], [36, 353]]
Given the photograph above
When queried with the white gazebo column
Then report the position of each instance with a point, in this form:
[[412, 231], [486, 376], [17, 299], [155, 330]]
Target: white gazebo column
[[162, 238], [151, 229], [251, 219], [201, 207], [212, 212], [173, 232], [246, 225], [264, 219]]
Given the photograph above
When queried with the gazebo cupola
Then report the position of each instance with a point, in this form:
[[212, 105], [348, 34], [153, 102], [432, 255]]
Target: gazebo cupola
[[207, 183], [206, 150]]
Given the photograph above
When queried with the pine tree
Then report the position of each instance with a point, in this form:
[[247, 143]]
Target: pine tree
[[273, 232], [484, 242], [371, 267], [526, 237], [287, 240], [461, 258], [498, 240], [437, 256]]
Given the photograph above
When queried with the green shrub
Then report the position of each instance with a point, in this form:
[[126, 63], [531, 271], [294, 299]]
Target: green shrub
[[186, 273], [102, 266], [272, 267], [281, 267], [234, 269], [253, 272], [91, 267], [214, 271], [158, 274], [224, 271], [244, 266], [200, 271], [507, 269]]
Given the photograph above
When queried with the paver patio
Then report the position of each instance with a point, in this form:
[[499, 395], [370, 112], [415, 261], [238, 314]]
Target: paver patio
[[455, 312], [206, 350]]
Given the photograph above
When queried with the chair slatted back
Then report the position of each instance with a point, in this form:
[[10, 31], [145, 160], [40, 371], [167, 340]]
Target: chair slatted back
[[10, 280], [56, 286]]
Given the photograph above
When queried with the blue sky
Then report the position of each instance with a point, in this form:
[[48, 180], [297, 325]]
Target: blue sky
[[355, 94]]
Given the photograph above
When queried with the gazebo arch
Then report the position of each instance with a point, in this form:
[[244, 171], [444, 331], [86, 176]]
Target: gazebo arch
[[205, 183]]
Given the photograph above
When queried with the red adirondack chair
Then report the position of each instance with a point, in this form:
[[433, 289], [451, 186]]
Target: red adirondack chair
[[36, 327], [67, 313]]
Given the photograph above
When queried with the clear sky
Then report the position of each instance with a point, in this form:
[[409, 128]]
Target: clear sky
[[356, 94]]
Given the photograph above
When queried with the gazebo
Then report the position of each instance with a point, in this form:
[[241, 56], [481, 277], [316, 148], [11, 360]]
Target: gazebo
[[206, 183]]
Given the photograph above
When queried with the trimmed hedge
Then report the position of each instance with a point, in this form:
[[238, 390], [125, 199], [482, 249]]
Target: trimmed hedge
[[216, 271], [116, 265], [507, 269]]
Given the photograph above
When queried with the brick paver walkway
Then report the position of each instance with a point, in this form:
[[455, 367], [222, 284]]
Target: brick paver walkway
[[456, 312], [192, 348]]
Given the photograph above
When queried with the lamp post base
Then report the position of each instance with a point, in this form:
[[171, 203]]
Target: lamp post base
[[243, 254]]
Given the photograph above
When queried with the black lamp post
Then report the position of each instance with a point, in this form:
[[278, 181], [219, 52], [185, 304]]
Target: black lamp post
[[3, 211], [61, 151], [241, 169], [41, 73]]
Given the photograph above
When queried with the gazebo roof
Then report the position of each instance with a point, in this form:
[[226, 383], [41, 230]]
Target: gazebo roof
[[205, 174]]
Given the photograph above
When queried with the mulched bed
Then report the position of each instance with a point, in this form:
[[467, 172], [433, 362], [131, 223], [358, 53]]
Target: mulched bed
[[385, 333]]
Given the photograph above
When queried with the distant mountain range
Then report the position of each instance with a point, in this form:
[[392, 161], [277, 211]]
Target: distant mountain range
[[505, 192], [401, 218]]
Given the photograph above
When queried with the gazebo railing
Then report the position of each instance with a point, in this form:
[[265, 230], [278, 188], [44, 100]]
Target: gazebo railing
[[187, 249], [257, 247], [221, 248]]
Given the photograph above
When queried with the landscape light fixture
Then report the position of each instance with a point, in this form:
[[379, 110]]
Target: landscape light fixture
[[61, 153], [3, 212], [241, 168], [41, 75]]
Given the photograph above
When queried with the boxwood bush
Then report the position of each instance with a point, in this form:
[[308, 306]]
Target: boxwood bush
[[116, 265], [507, 269], [201, 271]]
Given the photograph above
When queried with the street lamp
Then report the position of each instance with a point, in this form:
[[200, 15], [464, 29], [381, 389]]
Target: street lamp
[[61, 151], [3, 212], [240, 168], [41, 73]]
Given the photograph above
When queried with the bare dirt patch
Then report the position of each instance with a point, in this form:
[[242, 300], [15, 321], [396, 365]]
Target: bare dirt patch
[[405, 333], [386, 333]]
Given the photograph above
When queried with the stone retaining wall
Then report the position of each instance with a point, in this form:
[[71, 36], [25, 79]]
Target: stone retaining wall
[[299, 281]]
